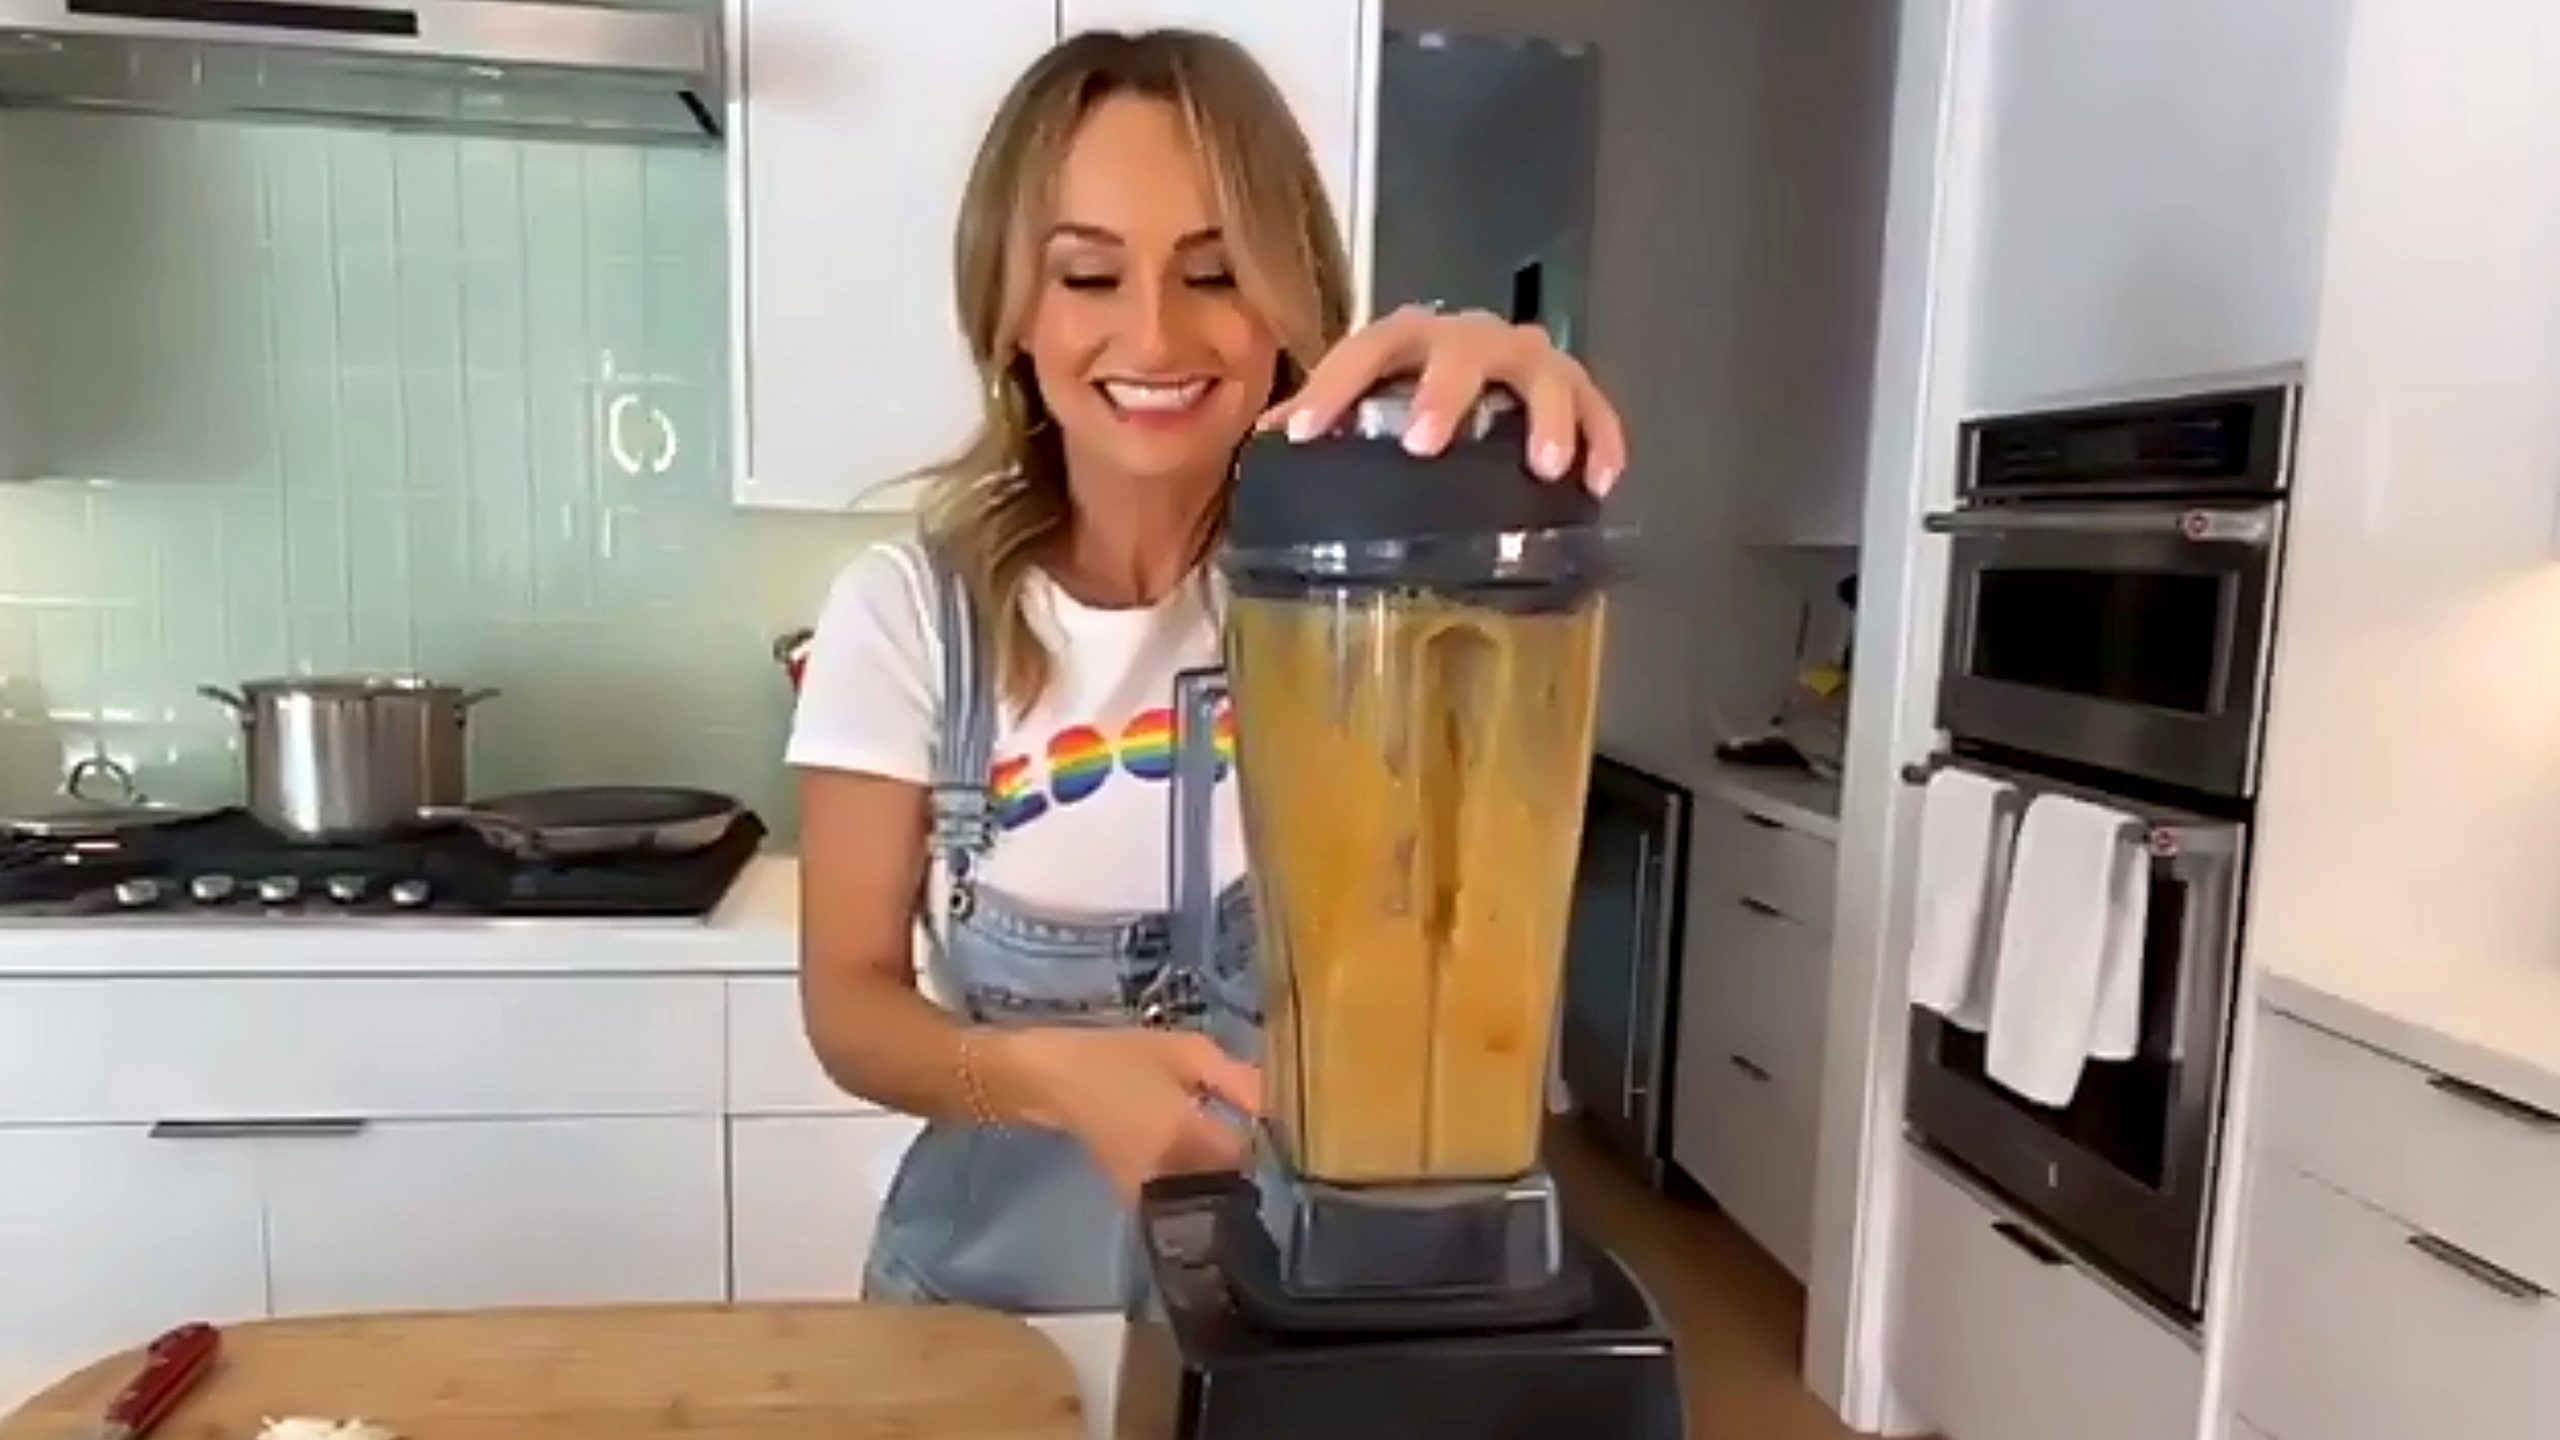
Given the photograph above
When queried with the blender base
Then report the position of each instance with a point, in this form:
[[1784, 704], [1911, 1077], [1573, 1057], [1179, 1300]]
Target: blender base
[[1197, 1364]]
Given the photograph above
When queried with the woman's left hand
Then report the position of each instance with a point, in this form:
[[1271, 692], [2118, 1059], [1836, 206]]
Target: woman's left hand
[[1458, 356]]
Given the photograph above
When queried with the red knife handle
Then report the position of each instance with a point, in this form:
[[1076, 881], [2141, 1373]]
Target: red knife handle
[[170, 1367]]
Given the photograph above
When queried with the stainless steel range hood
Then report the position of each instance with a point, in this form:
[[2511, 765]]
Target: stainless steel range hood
[[584, 71]]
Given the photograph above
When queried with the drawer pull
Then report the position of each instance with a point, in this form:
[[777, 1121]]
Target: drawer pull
[[1763, 907], [296, 1127], [1748, 1068], [2497, 1277], [1763, 821], [2018, 1235], [2492, 1101]]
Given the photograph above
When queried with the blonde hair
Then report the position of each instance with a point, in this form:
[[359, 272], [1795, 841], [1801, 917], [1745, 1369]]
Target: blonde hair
[[991, 506]]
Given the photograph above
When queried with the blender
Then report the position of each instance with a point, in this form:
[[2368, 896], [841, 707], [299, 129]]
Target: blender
[[1412, 650]]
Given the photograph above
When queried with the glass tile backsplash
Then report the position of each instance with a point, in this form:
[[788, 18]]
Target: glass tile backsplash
[[309, 400]]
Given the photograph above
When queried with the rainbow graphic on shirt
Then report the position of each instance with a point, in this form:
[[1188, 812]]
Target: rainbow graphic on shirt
[[1079, 761], [1018, 798], [1076, 762]]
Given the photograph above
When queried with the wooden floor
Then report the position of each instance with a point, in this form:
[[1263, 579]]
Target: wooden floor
[[1738, 1316]]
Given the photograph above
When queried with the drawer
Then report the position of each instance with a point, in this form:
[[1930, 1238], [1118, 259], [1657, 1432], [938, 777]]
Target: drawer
[[1752, 857], [2448, 1159], [1749, 1141], [141, 1050], [1764, 980], [805, 1193], [1998, 1336], [772, 1070], [2354, 1325], [447, 1215]]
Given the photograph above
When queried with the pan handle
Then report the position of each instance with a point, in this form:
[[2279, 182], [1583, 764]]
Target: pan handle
[[474, 697], [227, 699], [513, 834]]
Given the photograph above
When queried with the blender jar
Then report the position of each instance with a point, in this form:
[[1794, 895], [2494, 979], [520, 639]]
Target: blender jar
[[1413, 651]]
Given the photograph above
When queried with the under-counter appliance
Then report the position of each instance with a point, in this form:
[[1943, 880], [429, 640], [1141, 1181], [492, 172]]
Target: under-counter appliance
[[1622, 958], [2109, 632], [1413, 648]]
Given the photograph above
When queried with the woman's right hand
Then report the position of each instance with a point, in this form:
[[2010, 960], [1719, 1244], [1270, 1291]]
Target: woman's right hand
[[1138, 1099]]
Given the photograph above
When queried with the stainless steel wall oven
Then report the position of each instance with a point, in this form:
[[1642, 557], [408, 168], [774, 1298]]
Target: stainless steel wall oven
[[2113, 577]]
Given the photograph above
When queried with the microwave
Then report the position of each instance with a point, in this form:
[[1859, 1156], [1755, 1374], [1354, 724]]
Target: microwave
[[2112, 585]]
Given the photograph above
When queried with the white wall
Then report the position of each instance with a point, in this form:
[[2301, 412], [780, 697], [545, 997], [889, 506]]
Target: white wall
[[2411, 807]]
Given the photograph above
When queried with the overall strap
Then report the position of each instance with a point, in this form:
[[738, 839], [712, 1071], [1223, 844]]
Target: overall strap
[[965, 734]]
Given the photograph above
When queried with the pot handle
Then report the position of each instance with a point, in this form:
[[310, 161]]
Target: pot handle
[[228, 700], [474, 697]]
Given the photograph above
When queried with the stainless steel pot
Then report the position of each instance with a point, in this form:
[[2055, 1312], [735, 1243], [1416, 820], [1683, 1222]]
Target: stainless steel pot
[[349, 757]]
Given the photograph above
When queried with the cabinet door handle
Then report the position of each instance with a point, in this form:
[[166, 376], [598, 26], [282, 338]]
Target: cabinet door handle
[[285, 1127], [2018, 1235], [2490, 1100], [1763, 821], [1748, 1068], [2497, 1277], [1763, 907]]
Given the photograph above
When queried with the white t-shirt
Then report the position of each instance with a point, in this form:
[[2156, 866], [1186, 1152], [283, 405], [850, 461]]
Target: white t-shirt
[[1082, 783]]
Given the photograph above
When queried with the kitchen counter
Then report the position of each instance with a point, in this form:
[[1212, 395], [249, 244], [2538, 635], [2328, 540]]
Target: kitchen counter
[[755, 930], [1794, 798], [823, 1371], [2490, 1018]]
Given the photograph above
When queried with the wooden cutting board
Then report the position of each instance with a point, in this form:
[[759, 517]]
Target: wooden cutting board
[[772, 1372]]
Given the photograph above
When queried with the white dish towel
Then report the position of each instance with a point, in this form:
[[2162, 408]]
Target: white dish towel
[[2067, 984], [1966, 824]]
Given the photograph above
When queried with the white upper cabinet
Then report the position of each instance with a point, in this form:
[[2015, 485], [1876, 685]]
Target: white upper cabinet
[[2157, 188], [852, 126], [851, 130], [1323, 54]]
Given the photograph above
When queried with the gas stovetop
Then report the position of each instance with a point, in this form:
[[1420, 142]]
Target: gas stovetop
[[227, 864]]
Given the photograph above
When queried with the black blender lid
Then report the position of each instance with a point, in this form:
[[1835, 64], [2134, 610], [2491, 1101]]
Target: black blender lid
[[1358, 487]]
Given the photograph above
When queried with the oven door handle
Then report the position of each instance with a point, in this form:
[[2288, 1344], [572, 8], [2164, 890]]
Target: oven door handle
[[2254, 527]]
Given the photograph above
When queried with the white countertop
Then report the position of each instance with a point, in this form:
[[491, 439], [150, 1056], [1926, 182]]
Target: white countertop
[[755, 930], [1793, 798], [2489, 1017]]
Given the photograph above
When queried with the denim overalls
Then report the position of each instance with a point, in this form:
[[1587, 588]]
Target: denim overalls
[[1020, 1219]]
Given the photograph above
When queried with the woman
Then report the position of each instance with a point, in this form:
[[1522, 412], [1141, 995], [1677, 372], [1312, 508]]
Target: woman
[[1147, 270]]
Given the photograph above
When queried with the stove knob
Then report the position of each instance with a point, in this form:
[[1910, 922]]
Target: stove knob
[[137, 893], [346, 889], [212, 889], [409, 894], [278, 889]]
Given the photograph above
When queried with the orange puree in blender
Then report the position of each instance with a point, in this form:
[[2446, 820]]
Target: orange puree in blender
[[1414, 773]]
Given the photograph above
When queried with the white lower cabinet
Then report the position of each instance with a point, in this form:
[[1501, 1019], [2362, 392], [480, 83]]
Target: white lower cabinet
[[2360, 1327], [428, 1215], [109, 1236], [2396, 1266], [530, 1141], [1998, 1336], [1746, 1105], [804, 1197]]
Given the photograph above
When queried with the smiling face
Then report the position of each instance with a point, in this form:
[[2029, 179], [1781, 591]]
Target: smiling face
[[1147, 354]]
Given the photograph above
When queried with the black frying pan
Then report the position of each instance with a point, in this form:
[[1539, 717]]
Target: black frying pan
[[595, 820]]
